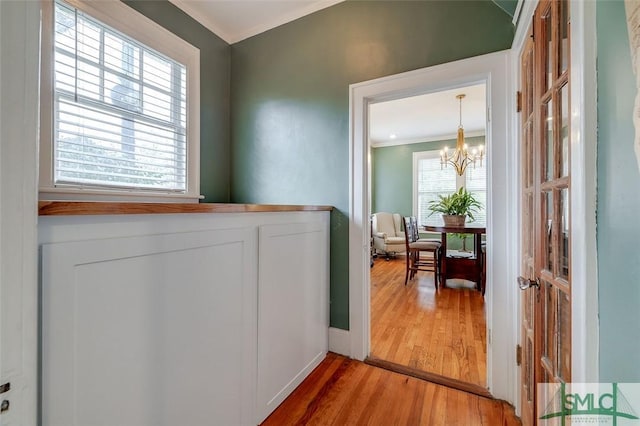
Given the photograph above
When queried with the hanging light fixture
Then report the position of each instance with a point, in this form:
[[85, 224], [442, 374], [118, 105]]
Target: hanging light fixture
[[461, 157]]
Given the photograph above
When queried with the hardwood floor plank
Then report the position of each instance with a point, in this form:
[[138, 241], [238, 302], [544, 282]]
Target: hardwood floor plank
[[344, 392], [308, 390], [358, 401], [442, 332]]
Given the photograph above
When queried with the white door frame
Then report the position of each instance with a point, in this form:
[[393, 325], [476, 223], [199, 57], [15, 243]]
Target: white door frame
[[19, 112], [502, 187], [584, 119]]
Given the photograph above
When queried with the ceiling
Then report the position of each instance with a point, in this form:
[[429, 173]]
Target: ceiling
[[236, 20], [430, 117]]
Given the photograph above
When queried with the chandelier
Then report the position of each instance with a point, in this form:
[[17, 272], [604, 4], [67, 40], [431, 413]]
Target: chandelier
[[462, 156]]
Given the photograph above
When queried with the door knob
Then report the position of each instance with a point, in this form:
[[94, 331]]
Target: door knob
[[525, 283]]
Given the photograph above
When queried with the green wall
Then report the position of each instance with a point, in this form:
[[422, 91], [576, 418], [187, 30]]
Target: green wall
[[392, 174], [290, 100], [618, 211], [215, 63]]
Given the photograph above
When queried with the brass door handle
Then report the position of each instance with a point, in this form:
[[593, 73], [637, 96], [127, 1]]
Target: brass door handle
[[525, 283]]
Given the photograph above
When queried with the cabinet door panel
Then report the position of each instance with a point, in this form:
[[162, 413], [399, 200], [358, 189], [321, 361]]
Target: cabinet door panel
[[150, 330], [292, 308]]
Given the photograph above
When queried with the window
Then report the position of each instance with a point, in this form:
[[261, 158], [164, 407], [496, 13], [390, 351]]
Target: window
[[430, 181], [122, 118]]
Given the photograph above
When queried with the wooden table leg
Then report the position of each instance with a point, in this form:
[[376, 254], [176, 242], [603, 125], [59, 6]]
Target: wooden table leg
[[443, 265], [477, 239]]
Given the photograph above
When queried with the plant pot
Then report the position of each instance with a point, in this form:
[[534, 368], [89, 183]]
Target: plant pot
[[454, 220]]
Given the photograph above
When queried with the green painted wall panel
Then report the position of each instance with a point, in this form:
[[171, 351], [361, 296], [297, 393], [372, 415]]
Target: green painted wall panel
[[392, 174], [618, 230], [289, 97], [215, 63]]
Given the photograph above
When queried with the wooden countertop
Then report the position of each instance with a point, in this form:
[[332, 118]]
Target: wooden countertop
[[77, 208]]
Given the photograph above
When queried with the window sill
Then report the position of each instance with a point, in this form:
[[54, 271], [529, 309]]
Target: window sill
[[81, 208]]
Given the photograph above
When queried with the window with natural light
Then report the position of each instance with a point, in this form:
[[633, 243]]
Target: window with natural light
[[432, 180], [121, 120]]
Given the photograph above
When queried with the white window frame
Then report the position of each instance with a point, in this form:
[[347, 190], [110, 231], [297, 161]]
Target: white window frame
[[461, 181], [130, 22]]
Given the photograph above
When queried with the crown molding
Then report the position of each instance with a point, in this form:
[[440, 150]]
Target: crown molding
[[213, 26], [232, 37], [283, 19], [437, 138]]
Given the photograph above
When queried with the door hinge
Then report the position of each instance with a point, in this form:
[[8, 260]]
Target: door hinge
[[5, 388], [518, 355], [518, 101], [533, 30]]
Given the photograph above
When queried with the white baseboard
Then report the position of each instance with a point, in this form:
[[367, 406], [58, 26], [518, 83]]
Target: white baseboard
[[339, 341]]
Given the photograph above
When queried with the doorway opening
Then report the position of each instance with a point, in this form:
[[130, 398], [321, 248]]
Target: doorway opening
[[493, 70], [429, 323]]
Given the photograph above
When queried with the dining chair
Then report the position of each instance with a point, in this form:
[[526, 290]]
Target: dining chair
[[416, 232], [414, 248]]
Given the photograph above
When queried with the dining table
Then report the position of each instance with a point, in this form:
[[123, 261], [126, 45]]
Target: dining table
[[465, 267]]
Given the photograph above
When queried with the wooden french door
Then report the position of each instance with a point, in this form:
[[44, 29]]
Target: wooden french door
[[545, 186]]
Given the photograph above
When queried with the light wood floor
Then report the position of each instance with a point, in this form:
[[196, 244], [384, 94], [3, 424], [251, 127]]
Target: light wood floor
[[345, 392], [441, 332]]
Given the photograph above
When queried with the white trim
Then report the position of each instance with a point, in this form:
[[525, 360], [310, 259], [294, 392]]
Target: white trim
[[516, 51], [19, 112], [516, 14], [584, 115], [494, 70], [132, 23], [436, 138], [528, 9], [75, 194], [206, 20], [231, 36], [339, 341]]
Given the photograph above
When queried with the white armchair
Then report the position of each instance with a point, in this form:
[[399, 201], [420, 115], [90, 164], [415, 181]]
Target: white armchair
[[388, 237]]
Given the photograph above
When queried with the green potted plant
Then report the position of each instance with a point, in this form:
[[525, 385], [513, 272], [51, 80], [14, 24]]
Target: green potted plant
[[456, 207]]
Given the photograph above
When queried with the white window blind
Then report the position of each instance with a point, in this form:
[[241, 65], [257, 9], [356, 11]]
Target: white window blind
[[431, 181], [119, 109], [476, 183]]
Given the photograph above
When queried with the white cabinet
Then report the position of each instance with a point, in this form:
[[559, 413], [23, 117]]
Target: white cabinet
[[292, 309], [180, 319]]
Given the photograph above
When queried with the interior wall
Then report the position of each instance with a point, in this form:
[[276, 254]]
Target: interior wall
[[215, 60], [618, 231], [392, 174], [290, 99]]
